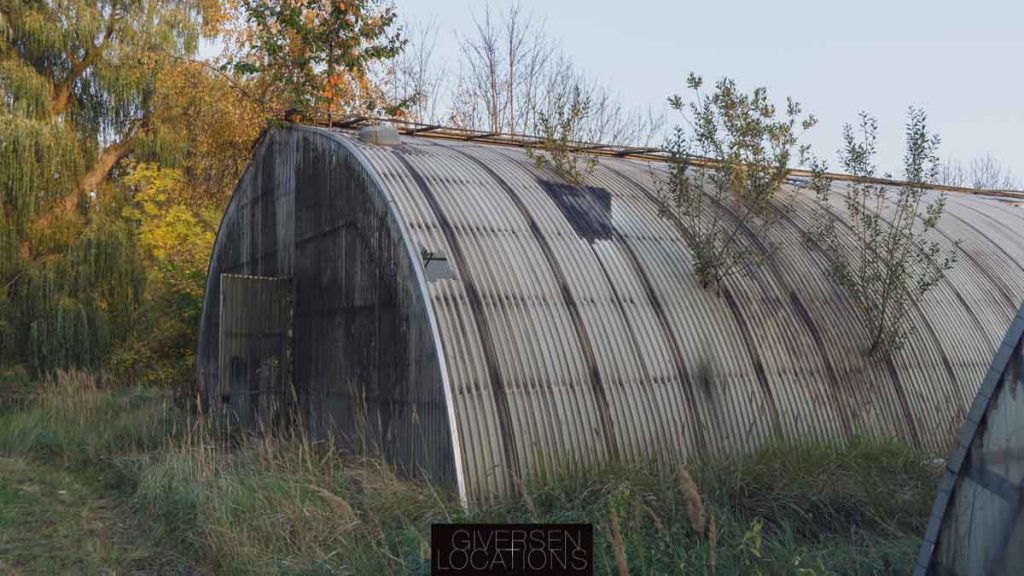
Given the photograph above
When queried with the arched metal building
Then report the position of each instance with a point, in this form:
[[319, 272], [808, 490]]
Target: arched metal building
[[977, 524], [478, 320]]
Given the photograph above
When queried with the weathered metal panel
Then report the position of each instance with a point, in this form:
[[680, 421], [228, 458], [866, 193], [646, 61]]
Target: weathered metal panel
[[364, 350], [569, 328], [254, 361], [365, 365], [255, 238], [977, 524]]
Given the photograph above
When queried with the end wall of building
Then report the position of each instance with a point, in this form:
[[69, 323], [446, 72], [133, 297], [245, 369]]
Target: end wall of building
[[364, 366]]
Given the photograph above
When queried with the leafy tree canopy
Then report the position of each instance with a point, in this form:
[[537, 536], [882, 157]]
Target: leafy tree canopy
[[316, 55], [77, 85], [119, 149]]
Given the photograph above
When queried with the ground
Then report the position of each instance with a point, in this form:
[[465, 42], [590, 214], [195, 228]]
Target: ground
[[54, 521]]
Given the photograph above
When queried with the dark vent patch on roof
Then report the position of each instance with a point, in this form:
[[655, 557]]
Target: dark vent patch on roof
[[587, 208]]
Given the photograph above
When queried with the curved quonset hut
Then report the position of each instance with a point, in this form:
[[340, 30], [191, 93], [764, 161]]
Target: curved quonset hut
[[977, 524], [478, 320]]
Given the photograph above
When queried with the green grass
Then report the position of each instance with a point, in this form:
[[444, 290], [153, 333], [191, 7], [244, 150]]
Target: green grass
[[856, 509], [51, 522], [75, 421], [238, 504]]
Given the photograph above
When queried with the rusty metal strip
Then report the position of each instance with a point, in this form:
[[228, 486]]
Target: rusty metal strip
[[500, 394], [519, 140], [596, 382]]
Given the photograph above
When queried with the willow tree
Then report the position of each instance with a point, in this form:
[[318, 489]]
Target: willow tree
[[207, 123], [77, 83]]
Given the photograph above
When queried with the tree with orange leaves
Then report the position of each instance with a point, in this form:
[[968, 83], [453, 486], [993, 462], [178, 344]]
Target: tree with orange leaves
[[316, 56]]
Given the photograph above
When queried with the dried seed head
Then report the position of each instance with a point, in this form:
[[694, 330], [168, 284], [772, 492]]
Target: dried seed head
[[654, 518], [337, 503], [712, 540], [694, 505], [618, 544]]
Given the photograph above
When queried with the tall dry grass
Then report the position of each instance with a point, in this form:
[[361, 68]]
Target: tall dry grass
[[284, 505], [232, 502], [73, 417]]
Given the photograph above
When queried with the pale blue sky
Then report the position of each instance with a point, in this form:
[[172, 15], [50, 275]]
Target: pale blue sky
[[834, 57]]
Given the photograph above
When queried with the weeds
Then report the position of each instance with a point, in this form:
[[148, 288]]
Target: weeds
[[234, 503], [73, 419], [559, 130], [895, 259]]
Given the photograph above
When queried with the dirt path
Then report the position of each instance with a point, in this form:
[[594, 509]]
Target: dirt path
[[53, 523]]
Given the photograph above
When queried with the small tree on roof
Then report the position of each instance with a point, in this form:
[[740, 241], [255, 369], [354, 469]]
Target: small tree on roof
[[558, 129], [727, 164], [893, 261]]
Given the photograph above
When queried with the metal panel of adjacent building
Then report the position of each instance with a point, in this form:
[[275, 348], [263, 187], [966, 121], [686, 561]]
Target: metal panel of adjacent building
[[481, 321], [977, 524]]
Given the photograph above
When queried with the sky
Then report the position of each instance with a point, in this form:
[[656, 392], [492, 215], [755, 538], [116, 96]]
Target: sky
[[963, 62]]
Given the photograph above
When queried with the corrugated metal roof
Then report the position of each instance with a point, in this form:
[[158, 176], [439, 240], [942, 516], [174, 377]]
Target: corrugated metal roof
[[574, 331]]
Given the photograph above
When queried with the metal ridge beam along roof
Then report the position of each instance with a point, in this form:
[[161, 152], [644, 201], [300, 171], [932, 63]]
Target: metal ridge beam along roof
[[654, 154]]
